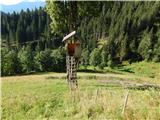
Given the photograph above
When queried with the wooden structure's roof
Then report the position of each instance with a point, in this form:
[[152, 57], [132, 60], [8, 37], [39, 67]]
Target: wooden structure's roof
[[68, 36]]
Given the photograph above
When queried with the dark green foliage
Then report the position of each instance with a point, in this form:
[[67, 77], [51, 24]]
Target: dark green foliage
[[104, 59], [44, 60], [124, 48], [156, 50], [145, 46], [50, 60], [26, 58], [85, 57], [10, 63], [95, 57], [25, 26], [104, 49], [58, 57], [111, 32], [110, 61], [123, 23]]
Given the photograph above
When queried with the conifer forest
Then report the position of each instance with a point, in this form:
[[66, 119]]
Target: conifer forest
[[111, 31]]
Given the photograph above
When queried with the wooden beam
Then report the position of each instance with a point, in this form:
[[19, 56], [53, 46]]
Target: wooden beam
[[68, 36]]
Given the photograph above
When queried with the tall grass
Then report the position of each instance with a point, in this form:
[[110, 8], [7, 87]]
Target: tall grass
[[47, 97]]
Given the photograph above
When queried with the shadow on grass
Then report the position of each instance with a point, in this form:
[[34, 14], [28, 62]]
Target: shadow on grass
[[137, 88], [78, 77], [126, 70], [33, 73], [99, 71], [90, 71], [42, 73], [56, 77], [123, 69], [109, 86]]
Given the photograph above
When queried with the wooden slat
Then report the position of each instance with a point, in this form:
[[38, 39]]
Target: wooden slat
[[68, 36]]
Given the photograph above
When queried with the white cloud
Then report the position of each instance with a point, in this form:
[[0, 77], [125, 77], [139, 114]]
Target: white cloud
[[35, 0], [12, 2]]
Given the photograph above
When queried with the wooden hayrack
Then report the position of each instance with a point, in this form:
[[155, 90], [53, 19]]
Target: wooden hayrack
[[73, 50]]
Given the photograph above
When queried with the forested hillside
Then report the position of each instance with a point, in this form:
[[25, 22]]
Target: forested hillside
[[127, 30], [26, 26], [27, 43], [111, 32], [131, 29]]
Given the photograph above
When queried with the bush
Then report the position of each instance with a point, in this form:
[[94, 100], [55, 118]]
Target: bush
[[85, 57], [110, 61], [10, 63], [50, 60], [43, 60], [26, 58], [95, 57], [103, 59], [59, 60]]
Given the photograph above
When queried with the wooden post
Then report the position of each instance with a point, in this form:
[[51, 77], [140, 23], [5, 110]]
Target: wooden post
[[73, 52], [71, 72], [125, 102]]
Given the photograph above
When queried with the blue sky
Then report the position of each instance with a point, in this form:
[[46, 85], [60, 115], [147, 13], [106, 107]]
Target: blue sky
[[13, 2]]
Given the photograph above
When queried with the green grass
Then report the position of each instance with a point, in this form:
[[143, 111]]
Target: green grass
[[47, 96], [150, 69]]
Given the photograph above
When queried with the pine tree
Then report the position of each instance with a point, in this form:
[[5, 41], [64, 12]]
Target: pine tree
[[10, 63], [85, 57], [26, 58], [43, 60], [95, 57], [145, 46]]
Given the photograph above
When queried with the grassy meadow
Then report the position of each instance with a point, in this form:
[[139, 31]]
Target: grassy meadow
[[101, 95]]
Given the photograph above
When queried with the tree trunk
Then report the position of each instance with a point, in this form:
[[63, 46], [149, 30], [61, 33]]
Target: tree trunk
[[73, 16]]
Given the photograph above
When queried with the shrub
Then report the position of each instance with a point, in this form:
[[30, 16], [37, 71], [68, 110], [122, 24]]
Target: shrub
[[10, 63], [95, 57]]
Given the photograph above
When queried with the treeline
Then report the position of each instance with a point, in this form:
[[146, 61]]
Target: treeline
[[25, 60]]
